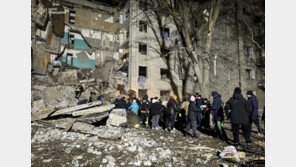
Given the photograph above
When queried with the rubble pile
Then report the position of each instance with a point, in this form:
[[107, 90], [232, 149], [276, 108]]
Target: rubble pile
[[137, 147]]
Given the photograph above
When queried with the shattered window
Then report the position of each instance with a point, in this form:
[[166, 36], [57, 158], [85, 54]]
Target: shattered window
[[166, 32], [165, 95], [69, 58], [72, 15], [142, 71], [143, 48], [71, 40], [143, 5], [143, 26], [164, 73], [250, 73], [250, 52]]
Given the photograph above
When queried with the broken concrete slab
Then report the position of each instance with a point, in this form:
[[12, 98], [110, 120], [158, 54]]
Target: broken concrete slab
[[90, 119], [103, 73], [94, 110], [42, 114], [38, 105], [117, 118], [83, 127], [39, 62], [87, 81], [76, 108], [69, 77]]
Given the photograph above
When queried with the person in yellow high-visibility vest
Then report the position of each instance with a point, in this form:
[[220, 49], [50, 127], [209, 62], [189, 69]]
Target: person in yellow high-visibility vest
[[78, 91], [144, 108]]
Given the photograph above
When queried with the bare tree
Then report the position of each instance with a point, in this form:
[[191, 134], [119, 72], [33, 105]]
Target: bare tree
[[180, 12]]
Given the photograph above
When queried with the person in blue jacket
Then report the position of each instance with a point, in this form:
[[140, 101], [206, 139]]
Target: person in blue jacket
[[134, 106], [252, 103]]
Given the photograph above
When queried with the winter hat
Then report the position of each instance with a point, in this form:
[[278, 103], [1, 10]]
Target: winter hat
[[192, 98], [214, 93], [237, 90], [249, 92]]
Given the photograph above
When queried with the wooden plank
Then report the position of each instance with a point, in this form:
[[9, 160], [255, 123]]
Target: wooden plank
[[94, 110], [69, 110], [69, 126]]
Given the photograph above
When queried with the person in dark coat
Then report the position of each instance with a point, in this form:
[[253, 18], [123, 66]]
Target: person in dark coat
[[155, 111], [121, 103], [253, 108], [144, 111], [198, 100], [218, 115], [172, 109], [205, 110], [162, 115], [239, 116], [192, 115]]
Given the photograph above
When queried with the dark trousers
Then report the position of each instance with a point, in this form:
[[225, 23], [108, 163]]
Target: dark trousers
[[144, 118], [206, 119], [199, 118], [191, 124], [235, 132], [256, 121], [170, 121]]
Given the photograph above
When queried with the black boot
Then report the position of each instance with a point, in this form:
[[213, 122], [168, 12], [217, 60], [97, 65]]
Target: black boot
[[194, 135]]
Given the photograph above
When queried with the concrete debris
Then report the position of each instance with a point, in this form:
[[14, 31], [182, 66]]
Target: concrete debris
[[38, 105], [87, 81], [94, 110], [70, 110], [69, 78], [39, 87], [117, 117], [84, 127], [41, 114]]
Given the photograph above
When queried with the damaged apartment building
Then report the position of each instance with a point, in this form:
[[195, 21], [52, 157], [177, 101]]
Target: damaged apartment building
[[147, 71]]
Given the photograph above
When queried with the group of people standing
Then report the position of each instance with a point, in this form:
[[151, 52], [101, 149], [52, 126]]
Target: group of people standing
[[195, 111]]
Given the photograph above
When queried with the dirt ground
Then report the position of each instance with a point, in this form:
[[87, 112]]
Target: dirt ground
[[137, 147]]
